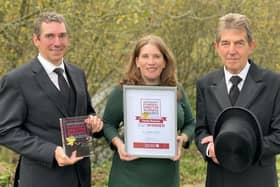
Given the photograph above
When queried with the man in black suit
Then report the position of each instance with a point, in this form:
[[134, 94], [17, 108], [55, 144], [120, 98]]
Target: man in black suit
[[258, 90], [32, 100]]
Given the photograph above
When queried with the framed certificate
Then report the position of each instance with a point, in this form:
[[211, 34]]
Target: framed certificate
[[150, 121]]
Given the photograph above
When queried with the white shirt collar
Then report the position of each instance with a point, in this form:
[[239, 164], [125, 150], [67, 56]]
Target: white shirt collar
[[48, 66], [242, 74]]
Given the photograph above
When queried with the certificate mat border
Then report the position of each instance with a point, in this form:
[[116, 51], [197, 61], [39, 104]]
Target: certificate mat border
[[125, 109]]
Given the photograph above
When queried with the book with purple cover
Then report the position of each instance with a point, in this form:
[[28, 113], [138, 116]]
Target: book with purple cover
[[76, 136]]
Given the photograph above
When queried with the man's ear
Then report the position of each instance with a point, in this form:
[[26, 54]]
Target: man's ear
[[36, 40], [252, 45], [215, 45]]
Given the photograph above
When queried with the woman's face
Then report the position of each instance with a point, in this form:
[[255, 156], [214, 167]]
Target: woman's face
[[151, 63]]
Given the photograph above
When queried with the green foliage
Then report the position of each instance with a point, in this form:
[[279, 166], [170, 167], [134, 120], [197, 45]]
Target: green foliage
[[100, 174], [102, 33], [6, 173], [192, 167], [5, 179]]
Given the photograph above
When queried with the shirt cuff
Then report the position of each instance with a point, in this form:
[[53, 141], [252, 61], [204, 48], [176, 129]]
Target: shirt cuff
[[207, 150]]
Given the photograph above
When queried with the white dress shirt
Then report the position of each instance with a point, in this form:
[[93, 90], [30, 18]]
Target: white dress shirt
[[49, 67], [242, 75]]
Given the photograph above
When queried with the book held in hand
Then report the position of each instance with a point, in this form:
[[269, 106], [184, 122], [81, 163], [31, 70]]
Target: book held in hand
[[76, 136]]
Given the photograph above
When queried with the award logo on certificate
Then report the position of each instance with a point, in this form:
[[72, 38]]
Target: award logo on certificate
[[76, 136], [150, 121]]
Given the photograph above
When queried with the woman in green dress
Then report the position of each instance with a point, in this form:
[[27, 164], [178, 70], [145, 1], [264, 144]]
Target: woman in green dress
[[151, 63]]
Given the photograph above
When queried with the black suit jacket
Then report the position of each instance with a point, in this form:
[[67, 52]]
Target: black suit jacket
[[261, 95], [29, 124]]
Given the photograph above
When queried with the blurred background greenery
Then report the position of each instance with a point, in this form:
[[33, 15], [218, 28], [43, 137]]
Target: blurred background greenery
[[102, 33]]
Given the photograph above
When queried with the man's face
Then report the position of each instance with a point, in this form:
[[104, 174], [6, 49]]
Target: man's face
[[52, 42], [234, 49]]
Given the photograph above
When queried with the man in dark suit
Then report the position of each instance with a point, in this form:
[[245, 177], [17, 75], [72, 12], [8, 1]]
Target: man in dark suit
[[258, 91], [32, 101]]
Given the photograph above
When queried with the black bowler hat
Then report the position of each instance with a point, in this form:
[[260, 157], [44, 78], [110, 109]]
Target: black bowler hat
[[238, 139]]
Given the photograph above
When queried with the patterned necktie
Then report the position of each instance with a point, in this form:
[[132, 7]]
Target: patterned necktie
[[234, 91], [63, 86]]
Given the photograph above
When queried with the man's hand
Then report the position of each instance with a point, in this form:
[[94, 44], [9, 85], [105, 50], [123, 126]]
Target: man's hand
[[212, 153], [95, 123], [63, 160], [211, 148], [207, 139]]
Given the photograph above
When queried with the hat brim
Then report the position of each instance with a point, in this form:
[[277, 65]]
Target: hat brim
[[229, 161]]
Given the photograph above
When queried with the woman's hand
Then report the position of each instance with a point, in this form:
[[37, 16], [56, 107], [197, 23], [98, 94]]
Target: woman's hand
[[121, 150], [181, 140]]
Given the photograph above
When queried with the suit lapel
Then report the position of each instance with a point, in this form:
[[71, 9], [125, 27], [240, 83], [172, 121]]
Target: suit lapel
[[47, 86], [252, 87], [219, 90]]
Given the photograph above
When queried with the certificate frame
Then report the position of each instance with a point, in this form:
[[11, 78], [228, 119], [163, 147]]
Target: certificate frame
[[150, 121]]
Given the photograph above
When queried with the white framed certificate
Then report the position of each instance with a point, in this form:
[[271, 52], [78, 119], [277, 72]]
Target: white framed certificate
[[150, 121]]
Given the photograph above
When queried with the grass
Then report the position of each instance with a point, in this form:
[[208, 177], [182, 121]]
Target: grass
[[192, 169], [6, 173]]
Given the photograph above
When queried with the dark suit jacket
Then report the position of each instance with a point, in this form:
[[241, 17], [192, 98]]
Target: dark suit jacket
[[261, 95], [29, 124]]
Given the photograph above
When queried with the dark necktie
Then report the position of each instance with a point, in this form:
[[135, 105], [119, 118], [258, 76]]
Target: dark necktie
[[234, 91], [63, 86]]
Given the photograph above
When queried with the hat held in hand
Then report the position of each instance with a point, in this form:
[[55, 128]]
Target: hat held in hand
[[238, 139]]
